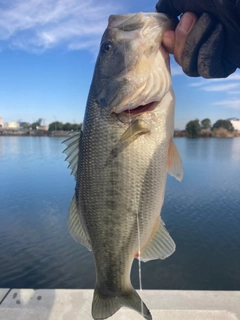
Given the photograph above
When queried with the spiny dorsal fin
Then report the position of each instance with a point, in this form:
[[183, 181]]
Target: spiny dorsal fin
[[160, 246], [75, 226], [72, 151], [174, 165]]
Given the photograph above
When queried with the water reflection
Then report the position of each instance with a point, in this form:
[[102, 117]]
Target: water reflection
[[201, 214], [235, 153], [211, 149]]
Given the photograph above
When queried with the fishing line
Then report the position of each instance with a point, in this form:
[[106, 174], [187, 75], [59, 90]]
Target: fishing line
[[138, 224], [135, 200]]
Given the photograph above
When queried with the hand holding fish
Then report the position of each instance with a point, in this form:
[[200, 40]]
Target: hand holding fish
[[206, 41]]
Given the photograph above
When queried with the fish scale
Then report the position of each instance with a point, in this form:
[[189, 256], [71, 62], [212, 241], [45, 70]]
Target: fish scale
[[123, 159]]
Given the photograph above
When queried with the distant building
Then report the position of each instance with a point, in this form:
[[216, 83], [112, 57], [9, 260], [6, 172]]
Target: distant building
[[44, 128], [24, 125], [236, 123], [1, 122], [11, 125]]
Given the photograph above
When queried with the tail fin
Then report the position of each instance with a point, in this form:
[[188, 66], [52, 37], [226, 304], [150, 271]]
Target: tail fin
[[105, 306]]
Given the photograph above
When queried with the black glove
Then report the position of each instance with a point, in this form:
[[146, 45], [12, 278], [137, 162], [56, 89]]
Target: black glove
[[213, 47]]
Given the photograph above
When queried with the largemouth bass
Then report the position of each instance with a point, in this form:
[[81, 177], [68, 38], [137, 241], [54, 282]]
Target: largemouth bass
[[121, 158]]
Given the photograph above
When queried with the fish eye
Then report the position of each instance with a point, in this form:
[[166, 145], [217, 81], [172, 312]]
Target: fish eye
[[106, 46]]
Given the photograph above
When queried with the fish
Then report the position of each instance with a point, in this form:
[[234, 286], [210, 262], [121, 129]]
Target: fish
[[121, 158]]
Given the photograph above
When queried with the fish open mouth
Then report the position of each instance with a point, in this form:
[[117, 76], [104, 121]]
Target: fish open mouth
[[128, 114], [141, 109]]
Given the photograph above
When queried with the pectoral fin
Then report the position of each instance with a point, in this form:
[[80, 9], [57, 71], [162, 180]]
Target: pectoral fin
[[132, 133], [137, 127], [160, 246], [174, 165]]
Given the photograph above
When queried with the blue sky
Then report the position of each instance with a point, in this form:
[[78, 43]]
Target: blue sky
[[47, 54]]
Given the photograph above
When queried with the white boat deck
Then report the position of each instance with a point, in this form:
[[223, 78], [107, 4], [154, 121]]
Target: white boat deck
[[69, 304]]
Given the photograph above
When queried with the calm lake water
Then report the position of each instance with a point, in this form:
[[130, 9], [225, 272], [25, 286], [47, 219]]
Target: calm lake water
[[202, 214]]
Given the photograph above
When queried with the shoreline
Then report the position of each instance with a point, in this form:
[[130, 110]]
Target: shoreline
[[34, 133], [61, 133]]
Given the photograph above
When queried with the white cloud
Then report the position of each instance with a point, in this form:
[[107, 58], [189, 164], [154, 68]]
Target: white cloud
[[234, 92], [233, 77], [36, 25], [218, 84], [234, 104], [196, 84], [220, 87], [228, 88]]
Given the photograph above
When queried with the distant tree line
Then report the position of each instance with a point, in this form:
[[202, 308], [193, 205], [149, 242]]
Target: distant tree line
[[54, 125], [194, 127], [35, 124], [64, 126]]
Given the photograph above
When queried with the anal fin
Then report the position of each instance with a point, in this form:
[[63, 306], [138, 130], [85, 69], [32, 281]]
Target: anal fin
[[160, 246], [75, 226]]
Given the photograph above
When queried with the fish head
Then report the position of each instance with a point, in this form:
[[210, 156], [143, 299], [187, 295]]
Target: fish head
[[132, 70]]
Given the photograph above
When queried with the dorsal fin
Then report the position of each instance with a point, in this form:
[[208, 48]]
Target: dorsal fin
[[72, 151], [160, 246]]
